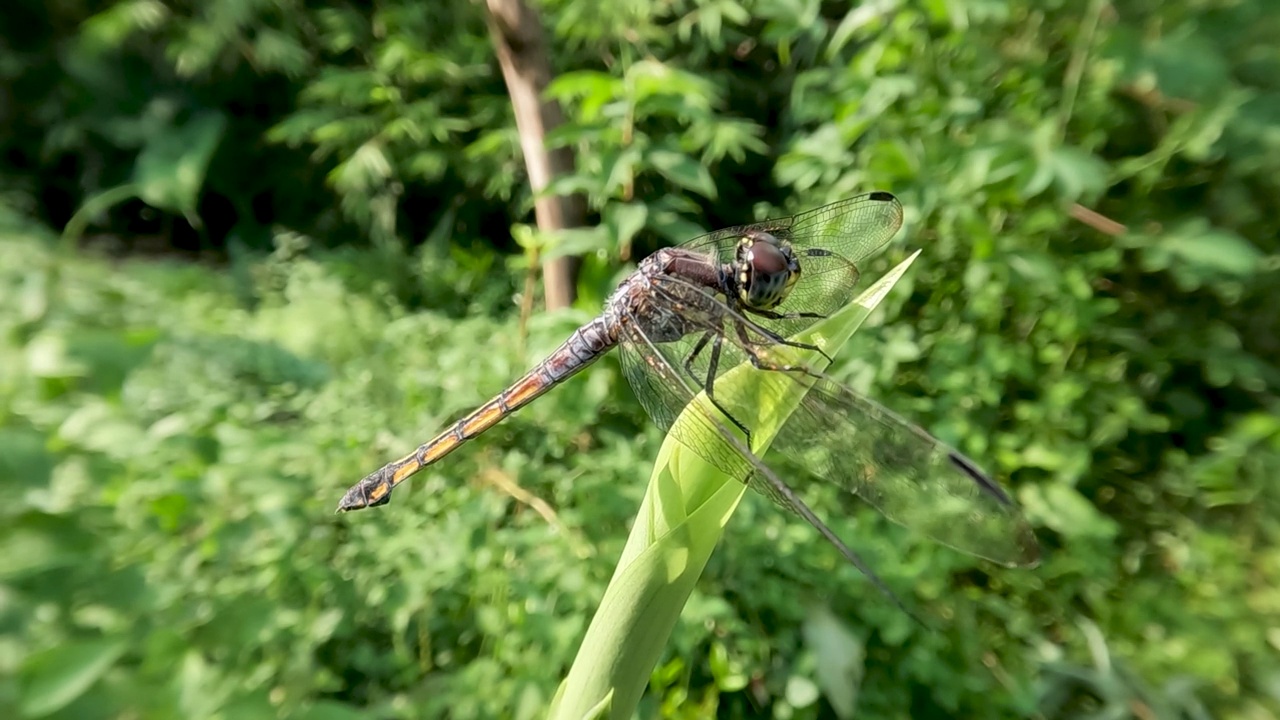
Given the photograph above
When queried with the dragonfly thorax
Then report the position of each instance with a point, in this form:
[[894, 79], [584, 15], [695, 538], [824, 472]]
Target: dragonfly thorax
[[766, 270]]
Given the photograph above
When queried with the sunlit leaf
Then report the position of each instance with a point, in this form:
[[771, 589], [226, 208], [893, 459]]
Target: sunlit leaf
[[170, 171], [840, 656], [1213, 249], [683, 171], [54, 678]]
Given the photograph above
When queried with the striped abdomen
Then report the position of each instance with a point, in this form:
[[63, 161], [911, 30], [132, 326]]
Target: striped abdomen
[[584, 347]]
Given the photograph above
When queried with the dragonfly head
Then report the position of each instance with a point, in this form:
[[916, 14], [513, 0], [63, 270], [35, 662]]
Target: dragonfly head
[[766, 270]]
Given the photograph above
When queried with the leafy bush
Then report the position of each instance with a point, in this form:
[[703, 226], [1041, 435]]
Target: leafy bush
[[1092, 317]]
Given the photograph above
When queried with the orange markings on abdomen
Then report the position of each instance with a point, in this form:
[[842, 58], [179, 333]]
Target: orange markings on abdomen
[[440, 447], [485, 418], [524, 390], [409, 467]]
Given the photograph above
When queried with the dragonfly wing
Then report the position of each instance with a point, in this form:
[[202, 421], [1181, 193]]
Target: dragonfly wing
[[829, 242], [841, 437], [837, 436], [853, 228], [667, 392]]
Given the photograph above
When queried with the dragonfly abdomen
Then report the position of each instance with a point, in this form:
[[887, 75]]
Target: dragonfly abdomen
[[584, 347]]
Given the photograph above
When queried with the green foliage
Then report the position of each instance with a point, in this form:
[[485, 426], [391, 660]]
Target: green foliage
[[173, 466], [168, 173], [173, 437]]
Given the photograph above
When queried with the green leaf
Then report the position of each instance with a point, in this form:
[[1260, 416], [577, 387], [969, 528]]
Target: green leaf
[[1077, 172], [1189, 65], [1065, 510], [727, 671], [1214, 249], [111, 28], [801, 692], [683, 171], [620, 169], [685, 510], [170, 170], [580, 84], [59, 675], [574, 241], [25, 458], [840, 656], [35, 543], [625, 219]]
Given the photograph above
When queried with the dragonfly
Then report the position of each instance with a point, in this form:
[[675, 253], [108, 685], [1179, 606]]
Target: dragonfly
[[689, 313]]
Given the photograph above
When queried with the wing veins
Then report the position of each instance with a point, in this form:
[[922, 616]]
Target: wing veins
[[784, 492], [919, 451]]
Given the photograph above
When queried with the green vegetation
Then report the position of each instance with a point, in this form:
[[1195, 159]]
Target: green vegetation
[[332, 191]]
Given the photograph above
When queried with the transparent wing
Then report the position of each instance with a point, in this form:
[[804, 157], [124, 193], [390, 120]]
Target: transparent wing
[[842, 437], [835, 436], [665, 390], [853, 228], [829, 242]]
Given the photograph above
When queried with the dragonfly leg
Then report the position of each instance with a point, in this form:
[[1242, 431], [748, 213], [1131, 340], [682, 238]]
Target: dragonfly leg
[[778, 339], [693, 355], [761, 364], [708, 382], [790, 316], [787, 315]]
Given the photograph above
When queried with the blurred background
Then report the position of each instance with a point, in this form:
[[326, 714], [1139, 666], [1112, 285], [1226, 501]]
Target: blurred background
[[251, 250]]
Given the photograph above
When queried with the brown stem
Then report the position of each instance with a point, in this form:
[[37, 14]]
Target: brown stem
[[521, 47]]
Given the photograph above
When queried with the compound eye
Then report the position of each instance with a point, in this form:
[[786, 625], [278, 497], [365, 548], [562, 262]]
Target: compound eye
[[766, 259], [768, 274]]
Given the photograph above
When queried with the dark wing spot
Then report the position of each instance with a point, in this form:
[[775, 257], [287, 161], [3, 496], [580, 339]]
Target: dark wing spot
[[881, 196], [968, 468]]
